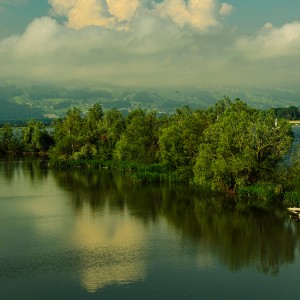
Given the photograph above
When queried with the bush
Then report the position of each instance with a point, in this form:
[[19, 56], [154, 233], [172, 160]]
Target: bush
[[263, 192], [292, 199]]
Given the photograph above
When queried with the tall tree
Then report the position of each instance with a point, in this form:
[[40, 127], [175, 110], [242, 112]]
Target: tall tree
[[8, 140], [139, 141], [243, 146], [92, 123], [180, 137], [113, 127], [35, 138], [68, 135]]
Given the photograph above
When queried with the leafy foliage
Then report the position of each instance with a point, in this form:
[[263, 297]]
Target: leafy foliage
[[228, 147], [179, 139], [139, 141], [241, 148], [35, 137], [289, 113], [8, 140]]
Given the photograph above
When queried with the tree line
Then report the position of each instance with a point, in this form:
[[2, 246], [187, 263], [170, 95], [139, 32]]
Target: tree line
[[289, 113], [229, 146]]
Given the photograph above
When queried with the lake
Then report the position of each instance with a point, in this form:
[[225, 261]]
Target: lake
[[86, 234]]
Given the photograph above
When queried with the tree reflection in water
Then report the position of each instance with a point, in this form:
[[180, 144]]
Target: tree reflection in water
[[244, 239], [239, 238], [34, 169]]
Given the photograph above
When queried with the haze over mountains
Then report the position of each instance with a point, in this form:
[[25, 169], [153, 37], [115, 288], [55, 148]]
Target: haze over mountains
[[158, 54], [43, 100]]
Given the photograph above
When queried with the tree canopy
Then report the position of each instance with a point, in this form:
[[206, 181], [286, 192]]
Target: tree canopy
[[242, 147], [225, 147]]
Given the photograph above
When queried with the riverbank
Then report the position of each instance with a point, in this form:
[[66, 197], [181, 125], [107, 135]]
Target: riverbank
[[229, 147], [262, 194]]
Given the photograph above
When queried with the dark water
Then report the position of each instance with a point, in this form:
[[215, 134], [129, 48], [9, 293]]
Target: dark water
[[92, 235]]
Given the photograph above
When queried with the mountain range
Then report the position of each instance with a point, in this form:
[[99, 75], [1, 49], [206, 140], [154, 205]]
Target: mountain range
[[45, 100]]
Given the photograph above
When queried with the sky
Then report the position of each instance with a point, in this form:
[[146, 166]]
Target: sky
[[152, 43]]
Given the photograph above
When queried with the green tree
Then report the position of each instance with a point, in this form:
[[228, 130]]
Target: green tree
[[92, 123], [8, 141], [91, 134], [68, 135], [179, 139], [78, 137], [242, 147], [113, 127], [35, 138], [290, 113], [139, 141]]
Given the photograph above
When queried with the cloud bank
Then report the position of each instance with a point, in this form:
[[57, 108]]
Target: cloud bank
[[272, 42], [201, 14], [147, 42]]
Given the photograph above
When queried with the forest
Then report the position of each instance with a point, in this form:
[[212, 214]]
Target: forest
[[229, 147]]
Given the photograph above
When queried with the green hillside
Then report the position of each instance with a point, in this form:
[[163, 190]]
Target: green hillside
[[18, 102]]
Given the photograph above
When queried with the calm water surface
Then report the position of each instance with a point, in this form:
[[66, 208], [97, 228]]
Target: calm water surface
[[82, 234]]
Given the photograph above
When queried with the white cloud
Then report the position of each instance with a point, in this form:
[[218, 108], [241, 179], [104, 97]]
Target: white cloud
[[142, 42], [88, 13], [38, 39], [272, 42], [268, 25], [200, 14], [123, 10], [62, 7], [226, 9], [154, 52], [84, 13]]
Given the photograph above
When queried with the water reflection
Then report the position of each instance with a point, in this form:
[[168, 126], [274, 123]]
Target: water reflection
[[90, 187], [264, 240], [34, 169], [97, 278], [100, 194], [118, 248], [101, 188], [97, 226], [257, 239]]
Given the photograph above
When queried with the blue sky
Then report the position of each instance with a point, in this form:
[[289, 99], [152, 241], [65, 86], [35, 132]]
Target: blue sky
[[152, 42], [251, 15], [16, 15]]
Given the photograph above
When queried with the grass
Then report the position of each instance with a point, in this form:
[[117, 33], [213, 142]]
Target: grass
[[292, 199], [263, 192], [138, 173]]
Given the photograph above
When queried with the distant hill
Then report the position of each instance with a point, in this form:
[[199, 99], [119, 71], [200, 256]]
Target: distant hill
[[19, 102], [11, 111]]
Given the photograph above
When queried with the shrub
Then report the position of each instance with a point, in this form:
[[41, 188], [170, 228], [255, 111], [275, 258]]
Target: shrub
[[292, 198], [263, 192]]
